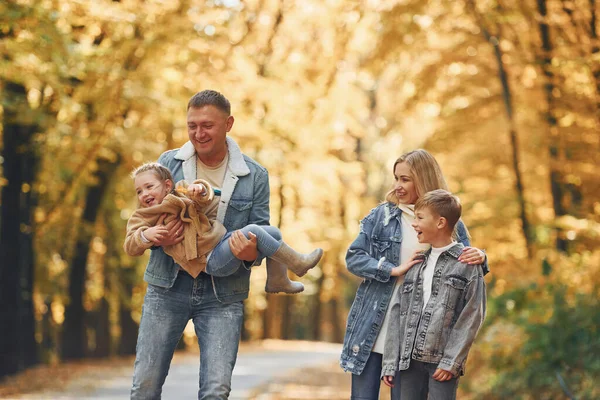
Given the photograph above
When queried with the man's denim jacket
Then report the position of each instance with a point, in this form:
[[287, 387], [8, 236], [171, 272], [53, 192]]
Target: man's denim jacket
[[372, 256], [441, 333], [244, 200]]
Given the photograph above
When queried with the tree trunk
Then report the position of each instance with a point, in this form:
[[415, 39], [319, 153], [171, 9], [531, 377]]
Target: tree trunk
[[129, 328], [18, 348], [595, 50], [74, 342], [101, 326], [318, 307], [556, 181], [512, 130]]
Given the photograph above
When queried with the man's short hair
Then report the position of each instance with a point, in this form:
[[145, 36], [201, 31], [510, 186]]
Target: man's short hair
[[443, 203], [210, 98]]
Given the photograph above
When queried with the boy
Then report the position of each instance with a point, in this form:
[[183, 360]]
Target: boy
[[438, 310]]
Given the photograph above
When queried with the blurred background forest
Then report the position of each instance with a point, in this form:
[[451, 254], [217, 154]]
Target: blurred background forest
[[326, 95]]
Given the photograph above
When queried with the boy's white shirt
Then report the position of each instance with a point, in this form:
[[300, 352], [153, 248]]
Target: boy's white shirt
[[430, 269], [408, 246]]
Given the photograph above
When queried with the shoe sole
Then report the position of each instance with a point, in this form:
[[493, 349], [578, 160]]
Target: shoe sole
[[283, 291]]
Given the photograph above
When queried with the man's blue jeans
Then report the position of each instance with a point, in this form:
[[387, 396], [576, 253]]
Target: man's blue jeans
[[165, 314]]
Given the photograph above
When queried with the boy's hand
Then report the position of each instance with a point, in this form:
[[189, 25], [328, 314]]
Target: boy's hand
[[402, 269], [195, 189], [441, 375], [389, 380], [156, 233]]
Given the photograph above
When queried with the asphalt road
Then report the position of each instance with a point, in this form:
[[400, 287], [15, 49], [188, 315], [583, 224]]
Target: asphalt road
[[254, 368]]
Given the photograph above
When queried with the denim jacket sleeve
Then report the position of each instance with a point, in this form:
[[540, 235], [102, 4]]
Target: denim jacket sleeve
[[260, 214], [359, 260], [391, 349], [466, 327], [463, 237]]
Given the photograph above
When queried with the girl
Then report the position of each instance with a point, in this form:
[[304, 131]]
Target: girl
[[386, 247], [205, 245]]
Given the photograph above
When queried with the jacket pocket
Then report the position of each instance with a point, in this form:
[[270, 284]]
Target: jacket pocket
[[240, 204], [454, 287], [407, 288], [238, 213], [381, 248]]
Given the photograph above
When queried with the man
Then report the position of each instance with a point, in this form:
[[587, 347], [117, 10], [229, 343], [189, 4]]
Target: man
[[213, 304]]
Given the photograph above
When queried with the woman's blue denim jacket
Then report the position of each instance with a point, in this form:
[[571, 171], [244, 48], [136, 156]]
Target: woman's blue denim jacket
[[372, 256], [247, 203]]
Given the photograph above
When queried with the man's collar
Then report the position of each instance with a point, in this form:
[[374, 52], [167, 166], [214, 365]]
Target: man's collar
[[237, 164]]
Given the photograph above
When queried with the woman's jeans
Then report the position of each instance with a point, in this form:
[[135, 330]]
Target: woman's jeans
[[366, 385], [222, 262], [165, 314]]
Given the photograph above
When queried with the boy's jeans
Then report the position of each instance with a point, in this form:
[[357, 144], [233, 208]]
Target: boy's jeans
[[366, 385], [416, 382], [165, 314]]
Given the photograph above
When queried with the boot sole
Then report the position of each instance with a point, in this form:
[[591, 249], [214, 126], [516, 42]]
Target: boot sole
[[275, 291]]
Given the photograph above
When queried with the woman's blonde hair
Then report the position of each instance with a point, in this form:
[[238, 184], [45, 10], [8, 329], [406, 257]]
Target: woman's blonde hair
[[425, 170]]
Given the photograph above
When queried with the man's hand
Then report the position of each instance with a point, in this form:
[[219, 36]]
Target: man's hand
[[441, 375], [472, 255], [243, 248], [389, 380], [402, 269], [174, 233]]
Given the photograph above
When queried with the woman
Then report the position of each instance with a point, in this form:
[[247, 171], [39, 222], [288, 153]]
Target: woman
[[385, 241]]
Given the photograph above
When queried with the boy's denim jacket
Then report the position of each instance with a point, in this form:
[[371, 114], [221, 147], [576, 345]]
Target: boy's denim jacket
[[372, 256], [244, 200], [441, 333]]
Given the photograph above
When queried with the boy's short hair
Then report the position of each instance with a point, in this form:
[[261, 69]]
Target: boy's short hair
[[161, 172], [443, 203]]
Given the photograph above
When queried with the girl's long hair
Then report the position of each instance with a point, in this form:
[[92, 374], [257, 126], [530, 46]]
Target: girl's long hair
[[425, 170]]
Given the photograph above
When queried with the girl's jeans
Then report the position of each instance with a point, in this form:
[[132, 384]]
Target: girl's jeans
[[165, 314], [222, 262], [366, 385]]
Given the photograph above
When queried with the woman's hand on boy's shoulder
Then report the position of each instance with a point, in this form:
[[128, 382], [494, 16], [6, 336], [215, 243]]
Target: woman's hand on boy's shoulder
[[472, 255], [402, 269]]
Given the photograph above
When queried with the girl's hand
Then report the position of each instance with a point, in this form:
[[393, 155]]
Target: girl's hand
[[441, 375], [472, 255], [389, 380], [195, 189], [402, 269], [156, 233]]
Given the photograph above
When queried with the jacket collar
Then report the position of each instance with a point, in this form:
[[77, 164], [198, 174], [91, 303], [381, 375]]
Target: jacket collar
[[455, 251], [237, 164]]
